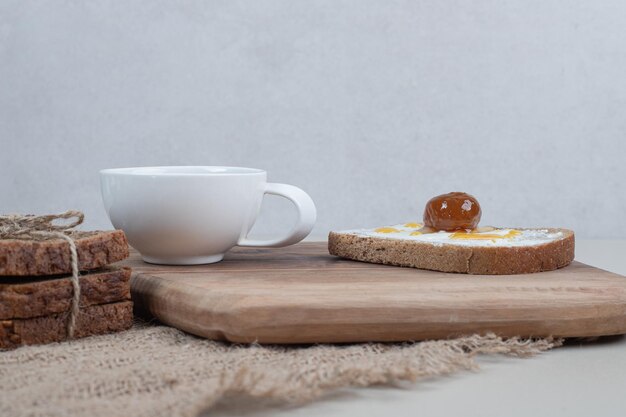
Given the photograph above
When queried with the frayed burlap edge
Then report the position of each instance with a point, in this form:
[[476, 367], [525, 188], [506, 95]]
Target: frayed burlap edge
[[160, 371], [409, 362]]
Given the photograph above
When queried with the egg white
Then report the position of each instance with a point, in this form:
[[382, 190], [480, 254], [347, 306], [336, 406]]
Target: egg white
[[525, 238]]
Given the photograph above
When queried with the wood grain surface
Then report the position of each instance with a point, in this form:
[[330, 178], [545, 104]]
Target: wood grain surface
[[301, 294]]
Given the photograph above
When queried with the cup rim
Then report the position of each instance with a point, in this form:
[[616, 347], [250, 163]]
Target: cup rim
[[179, 170]]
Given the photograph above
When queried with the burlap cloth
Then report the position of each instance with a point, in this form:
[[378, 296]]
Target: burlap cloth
[[160, 371]]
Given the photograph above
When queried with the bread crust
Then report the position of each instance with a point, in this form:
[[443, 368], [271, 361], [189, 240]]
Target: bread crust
[[52, 257], [481, 260], [92, 320], [22, 298]]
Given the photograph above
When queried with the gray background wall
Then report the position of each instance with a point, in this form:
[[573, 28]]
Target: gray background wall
[[371, 106]]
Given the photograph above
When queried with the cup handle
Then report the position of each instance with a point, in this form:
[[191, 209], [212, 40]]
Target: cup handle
[[306, 217]]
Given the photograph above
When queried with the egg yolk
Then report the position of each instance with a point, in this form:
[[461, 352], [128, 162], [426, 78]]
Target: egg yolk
[[413, 225], [484, 236], [387, 230], [479, 233]]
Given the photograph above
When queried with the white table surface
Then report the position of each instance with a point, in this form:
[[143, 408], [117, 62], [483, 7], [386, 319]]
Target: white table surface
[[586, 380]]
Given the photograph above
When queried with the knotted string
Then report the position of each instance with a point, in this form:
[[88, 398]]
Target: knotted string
[[31, 227]]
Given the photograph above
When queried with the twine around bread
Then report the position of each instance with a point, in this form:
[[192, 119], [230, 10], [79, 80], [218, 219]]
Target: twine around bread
[[31, 227]]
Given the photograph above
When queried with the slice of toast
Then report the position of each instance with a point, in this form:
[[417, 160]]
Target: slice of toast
[[22, 298], [488, 252], [50, 257], [92, 320]]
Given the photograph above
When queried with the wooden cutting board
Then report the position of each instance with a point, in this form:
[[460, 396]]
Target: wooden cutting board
[[300, 294]]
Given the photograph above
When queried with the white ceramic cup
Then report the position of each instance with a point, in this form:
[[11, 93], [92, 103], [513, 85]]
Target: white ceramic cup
[[188, 215]]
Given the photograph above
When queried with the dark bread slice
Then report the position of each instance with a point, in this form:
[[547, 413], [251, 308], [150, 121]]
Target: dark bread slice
[[482, 260], [92, 320], [51, 257], [22, 298]]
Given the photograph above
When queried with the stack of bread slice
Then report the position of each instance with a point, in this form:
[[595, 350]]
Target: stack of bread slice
[[36, 290]]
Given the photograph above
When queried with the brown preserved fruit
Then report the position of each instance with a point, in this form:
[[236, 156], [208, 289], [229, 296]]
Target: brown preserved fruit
[[452, 211]]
